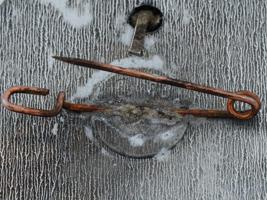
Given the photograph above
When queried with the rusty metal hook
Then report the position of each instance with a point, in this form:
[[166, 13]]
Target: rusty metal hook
[[31, 90], [60, 102], [242, 96]]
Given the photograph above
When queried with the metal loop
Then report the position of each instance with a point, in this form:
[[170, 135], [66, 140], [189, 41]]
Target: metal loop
[[251, 99], [32, 111]]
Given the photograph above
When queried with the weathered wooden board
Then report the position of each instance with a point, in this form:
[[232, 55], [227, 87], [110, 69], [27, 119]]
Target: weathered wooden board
[[212, 42]]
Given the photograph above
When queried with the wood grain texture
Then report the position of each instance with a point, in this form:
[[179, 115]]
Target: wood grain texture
[[223, 45]]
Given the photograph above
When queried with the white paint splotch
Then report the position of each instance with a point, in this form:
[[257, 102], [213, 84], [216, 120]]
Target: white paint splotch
[[168, 135], [137, 140], [89, 133], [124, 30], [150, 42], [187, 16], [77, 17], [173, 134], [50, 60], [127, 35], [54, 130], [162, 155], [87, 89], [154, 62]]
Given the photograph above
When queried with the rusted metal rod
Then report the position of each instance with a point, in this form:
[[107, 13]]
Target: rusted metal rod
[[60, 103], [242, 96]]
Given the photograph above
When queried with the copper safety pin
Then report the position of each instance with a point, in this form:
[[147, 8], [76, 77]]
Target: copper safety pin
[[243, 96]]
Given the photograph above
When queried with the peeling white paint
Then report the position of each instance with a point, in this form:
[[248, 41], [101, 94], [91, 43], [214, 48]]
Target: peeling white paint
[[74, 16], [105, 152], [187, 17], [62, 120], [50, 60], [169, 135], [162, 155], [150, 42], [87, 89], [127, 35], [124, 30], [137, 140], [89, 133], [55, 129]]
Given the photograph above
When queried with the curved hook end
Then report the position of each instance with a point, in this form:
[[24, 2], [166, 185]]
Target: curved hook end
[[252, 99], [31, 111]]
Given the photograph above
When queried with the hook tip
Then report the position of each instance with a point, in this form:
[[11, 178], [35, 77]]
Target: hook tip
[[61, 58], [56, 57]]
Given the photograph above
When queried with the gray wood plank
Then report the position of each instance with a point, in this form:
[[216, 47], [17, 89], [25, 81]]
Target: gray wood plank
[[217, 43]]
